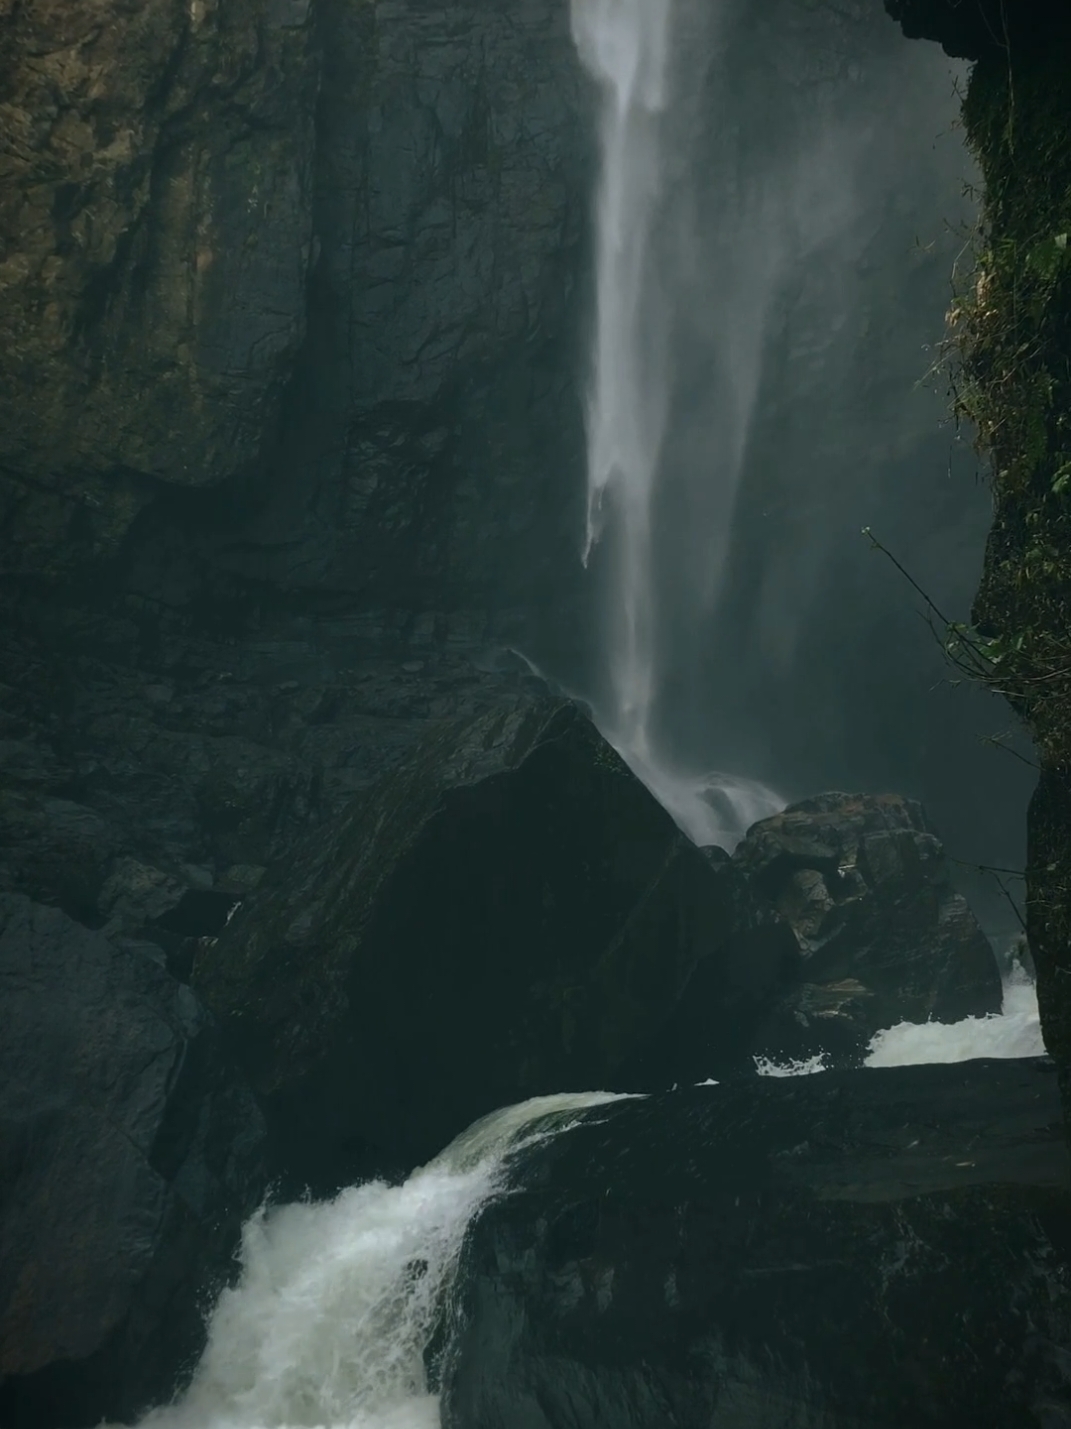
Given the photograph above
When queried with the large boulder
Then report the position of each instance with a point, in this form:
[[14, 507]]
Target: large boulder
[[130, 1151], [845, 921], [883, 934], [858, 1250], [508, 914]]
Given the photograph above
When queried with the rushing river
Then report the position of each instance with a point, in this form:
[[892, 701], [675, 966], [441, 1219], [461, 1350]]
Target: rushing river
[[327, 1325]]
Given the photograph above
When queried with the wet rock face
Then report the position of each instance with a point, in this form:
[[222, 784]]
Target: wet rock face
[[319, 254], [131, 1151], [509, 914], [883, 935], [298, 440], [859, 1250], [157, 223], [431, 446]]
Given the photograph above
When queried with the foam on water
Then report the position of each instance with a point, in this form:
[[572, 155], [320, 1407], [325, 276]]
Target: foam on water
[[336, 1301], [1013, 1032], [793, 1067]]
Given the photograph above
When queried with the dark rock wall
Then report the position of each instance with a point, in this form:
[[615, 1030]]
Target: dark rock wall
[[1013, 333], [157, 229], [288, 439], [434, 419], [131, 1152], [317, 262]]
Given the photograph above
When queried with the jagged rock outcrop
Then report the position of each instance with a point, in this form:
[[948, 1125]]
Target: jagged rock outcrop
[[857, 1250], [131, 1150], [883, 933], [846, 922], [508, 914]]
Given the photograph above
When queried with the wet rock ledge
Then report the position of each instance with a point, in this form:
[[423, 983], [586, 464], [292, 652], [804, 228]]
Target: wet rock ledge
[[858, 1250]]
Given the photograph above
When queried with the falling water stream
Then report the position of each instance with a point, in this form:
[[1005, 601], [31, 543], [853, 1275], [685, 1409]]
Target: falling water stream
[[327, 1325], [626, 47]]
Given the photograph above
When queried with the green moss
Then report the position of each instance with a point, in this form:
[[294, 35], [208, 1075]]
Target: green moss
[[1011, 331], [1011, 336]]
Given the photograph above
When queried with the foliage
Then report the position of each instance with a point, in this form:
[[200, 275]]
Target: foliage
[[1010, 338]]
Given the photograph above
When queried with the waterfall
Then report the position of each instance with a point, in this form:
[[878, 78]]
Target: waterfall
[[625, 45], [776, 215], [337, 1301]]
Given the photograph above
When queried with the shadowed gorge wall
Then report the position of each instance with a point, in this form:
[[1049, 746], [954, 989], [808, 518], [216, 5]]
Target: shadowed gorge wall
[[289, 444], [321, 262], [1012, 333], [294, 301]]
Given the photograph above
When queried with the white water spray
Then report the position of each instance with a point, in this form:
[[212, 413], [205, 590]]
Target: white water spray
[[625, 46], [1014, 1031], [337, 1301]]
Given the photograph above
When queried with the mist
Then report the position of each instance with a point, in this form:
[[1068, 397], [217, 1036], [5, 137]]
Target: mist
[[773, 271]]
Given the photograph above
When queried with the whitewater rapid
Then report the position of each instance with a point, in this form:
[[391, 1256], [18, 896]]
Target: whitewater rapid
[[336, 1301], [1015, 1031]]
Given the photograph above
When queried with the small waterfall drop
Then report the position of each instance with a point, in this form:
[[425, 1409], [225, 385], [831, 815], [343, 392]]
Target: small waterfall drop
[[337, 1301], [625, 45]]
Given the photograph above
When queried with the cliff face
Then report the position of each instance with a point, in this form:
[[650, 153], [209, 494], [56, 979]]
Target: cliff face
[[157, 227], [283, 325], [1011, 331], [287, 432]]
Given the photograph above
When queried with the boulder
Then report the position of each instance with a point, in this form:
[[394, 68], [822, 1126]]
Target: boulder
[[844, 921], [509, 913], [859, 1250], [130, 1152], [883, 935]]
